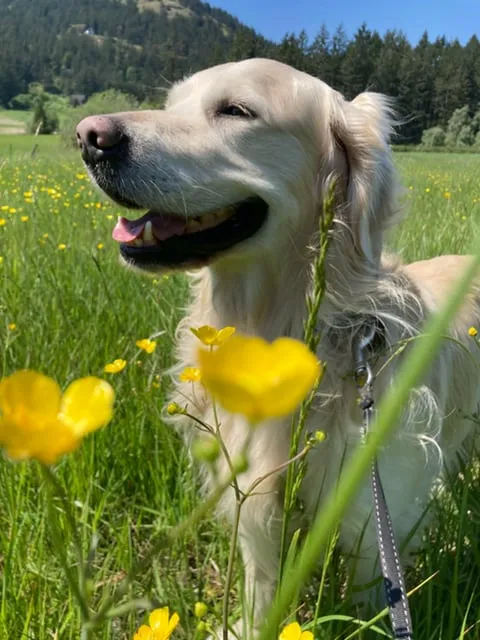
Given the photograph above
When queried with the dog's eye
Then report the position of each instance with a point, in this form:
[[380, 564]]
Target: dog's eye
[[236, 111]]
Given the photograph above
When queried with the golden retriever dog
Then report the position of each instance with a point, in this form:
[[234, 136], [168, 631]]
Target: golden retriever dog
[[233, 174]]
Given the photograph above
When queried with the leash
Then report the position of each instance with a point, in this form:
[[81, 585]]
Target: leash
[[392, 572]]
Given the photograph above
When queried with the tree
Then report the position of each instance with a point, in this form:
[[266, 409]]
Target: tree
[[434, 137], [458, 124], [46, 108], [387, 70], [293, 50], [451, 80], [465, 137], [358, 64], [320, 56]]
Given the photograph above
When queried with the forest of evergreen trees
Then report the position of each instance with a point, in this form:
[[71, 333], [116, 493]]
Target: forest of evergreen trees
[[86, 46]]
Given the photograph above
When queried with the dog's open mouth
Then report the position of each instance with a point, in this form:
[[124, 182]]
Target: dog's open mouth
[[160, 239]]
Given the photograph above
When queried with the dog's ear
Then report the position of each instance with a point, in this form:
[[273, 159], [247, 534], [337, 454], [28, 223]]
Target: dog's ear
[[361, 131]]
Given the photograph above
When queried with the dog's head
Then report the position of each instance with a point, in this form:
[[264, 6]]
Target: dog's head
[[236, 165]]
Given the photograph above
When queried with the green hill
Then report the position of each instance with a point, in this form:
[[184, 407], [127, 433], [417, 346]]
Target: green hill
[[80, 47], [85, 46]]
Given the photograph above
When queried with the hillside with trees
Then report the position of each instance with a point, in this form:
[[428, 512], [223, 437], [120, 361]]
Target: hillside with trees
[[76, 48]]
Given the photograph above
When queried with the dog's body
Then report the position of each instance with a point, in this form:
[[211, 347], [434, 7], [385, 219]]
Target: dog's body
[[259, 129]]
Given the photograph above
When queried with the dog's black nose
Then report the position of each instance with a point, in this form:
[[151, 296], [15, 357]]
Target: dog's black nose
[[99, 137]]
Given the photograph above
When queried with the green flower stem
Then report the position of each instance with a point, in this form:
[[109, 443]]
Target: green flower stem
[[239, 501], [296, 473], [58, 543], [172, 535], [224, 448], [60, 492], [390, 408], [231, 564]]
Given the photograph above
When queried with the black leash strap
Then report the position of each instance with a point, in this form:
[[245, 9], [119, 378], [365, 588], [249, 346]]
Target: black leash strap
[[392, 572]]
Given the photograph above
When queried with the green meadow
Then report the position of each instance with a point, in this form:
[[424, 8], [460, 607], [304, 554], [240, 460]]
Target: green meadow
[[67, 308]]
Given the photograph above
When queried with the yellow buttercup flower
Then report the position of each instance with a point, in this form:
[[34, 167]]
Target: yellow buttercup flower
[[62, 246], [146, 345], [209, 336], [37, 421], [100, 246], [472, 332], [116, 366], [160, 627], [447, 195], [24, 218], [260, 380], [2, 222], [190, 374], [12, 326], [294, 632]]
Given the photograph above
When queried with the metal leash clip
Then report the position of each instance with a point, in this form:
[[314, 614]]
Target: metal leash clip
[[392, 572], [363, 373]]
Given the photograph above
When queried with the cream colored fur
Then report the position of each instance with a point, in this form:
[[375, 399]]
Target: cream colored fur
[[188, 160]]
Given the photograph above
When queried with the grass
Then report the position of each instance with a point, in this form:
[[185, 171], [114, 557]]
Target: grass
[[75, 309], [25, 146], [20, 115], [14, 122]]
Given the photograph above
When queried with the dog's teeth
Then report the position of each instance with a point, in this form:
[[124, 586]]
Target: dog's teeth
[[208, 220], [148, 233]]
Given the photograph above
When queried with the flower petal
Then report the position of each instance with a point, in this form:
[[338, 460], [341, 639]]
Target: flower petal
[[172, 625], [116, 366], [45, 445], [159, 618], [205, 334], [190, 374], [29, 399], [223, 334], [291, 632], [144, 633], [257, 379], [146, 345], [87, 405]]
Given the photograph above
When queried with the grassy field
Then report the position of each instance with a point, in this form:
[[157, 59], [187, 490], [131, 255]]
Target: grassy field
[[14, 121], [66, 309]]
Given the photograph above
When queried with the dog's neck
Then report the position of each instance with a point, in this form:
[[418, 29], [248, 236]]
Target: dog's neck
[[261, 298]]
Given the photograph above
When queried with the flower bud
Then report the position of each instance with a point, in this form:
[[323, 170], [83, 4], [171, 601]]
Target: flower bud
[[206, 449], [200, 610], [240, 464], [173, 408]]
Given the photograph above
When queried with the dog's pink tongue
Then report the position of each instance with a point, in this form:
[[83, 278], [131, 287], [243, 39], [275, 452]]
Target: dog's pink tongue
[[164, 226]]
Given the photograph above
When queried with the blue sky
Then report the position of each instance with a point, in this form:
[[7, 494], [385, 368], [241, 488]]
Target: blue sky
[[272, 18]]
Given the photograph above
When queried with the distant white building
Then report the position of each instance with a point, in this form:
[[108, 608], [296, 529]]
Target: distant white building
[[89, 31]]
